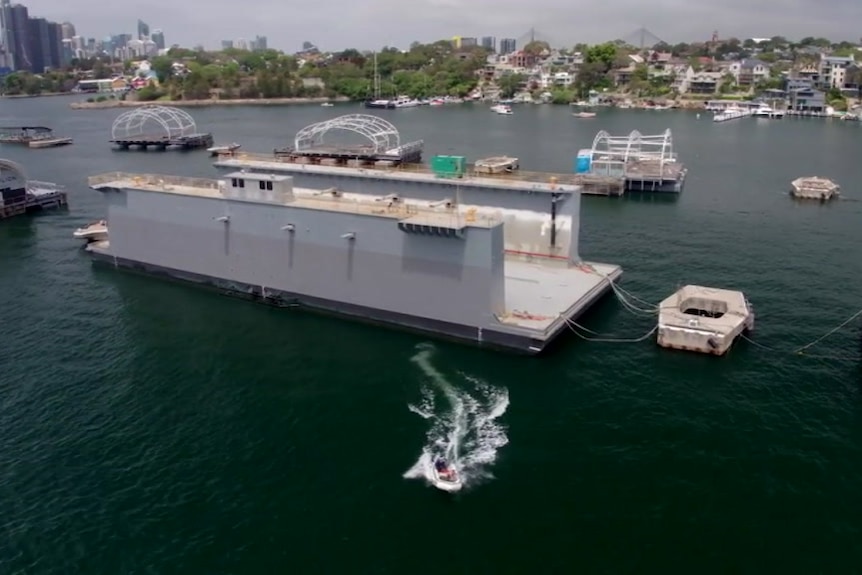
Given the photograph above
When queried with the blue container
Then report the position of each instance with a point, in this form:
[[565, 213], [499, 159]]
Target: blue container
[[582, 165]]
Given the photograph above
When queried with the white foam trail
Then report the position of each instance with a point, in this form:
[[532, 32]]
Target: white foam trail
[[463, 422]]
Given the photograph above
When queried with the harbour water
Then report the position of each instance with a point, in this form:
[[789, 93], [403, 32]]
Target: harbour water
[[153, 427]]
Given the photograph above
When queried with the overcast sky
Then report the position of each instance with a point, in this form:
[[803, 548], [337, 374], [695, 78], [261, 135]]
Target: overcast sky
[[368, 24]]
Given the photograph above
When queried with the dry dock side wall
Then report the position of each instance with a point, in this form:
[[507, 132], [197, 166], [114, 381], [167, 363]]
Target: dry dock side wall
[[568, 203], [450, 279]]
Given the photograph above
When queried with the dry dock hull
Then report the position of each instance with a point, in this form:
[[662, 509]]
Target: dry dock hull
[[475, 335]]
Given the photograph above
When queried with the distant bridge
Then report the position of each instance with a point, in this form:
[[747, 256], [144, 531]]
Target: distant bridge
[[640, 38]]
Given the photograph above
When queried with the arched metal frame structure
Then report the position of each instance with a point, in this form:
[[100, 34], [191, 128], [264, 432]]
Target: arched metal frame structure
[[383, 136], [634, 147], [153, 122]]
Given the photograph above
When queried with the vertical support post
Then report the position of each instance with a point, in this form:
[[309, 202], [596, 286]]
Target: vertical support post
[[554, 197]]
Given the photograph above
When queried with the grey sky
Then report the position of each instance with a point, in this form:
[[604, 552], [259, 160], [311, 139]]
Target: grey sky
[[336, 24]]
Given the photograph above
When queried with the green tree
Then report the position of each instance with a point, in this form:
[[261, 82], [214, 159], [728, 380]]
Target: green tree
[[510, 84], [603, 55]]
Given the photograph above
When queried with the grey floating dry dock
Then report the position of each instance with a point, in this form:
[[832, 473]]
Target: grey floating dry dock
[[703, 319], [501, 269], [19, 195], [159, 127], [814, 188]]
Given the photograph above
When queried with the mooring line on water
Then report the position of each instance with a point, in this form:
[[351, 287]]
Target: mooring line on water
[[830, 332], [802, 350], [572, 325]]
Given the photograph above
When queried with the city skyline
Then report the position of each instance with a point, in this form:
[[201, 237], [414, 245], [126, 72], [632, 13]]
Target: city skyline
[[339, 24]]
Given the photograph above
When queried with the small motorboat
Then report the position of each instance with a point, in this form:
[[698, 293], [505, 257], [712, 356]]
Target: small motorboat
[[502, 109], [93, 232], [327, 104], [226, 149], [445, 477], [584, 115]]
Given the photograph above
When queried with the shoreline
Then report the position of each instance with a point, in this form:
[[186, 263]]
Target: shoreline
[[115, 103]]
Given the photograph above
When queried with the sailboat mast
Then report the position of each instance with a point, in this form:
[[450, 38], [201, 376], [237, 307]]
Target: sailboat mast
[[376, 79]]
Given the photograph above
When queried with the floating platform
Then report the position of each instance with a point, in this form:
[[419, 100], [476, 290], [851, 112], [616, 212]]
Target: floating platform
[[496, 165], [382, 143], [227, 149], [160, 127], [32, 136], [21, 196], [814, 188], [190, 142], [704, 320], [39, 196], [49, 143], [633, 163]]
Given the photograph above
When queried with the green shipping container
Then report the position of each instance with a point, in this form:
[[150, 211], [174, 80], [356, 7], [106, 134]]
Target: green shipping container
[[449, 166]]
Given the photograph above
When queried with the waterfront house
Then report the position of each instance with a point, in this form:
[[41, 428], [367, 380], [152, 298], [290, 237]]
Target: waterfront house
[[807, 100], [623, 76], [749, 72], [659, 60], [704, 82], [832, 71], [853, 80]]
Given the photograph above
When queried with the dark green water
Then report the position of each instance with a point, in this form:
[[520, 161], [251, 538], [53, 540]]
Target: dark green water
[[147, 427]]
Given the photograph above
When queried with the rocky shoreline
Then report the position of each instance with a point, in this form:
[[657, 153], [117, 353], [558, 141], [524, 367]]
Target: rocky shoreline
[[115, 103]]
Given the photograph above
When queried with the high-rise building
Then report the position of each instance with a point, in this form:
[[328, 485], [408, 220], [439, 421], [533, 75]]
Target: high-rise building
[[508, 45], [143, 30], [20, 26], [489, 43], [55, 45], [260, 43], [226, 44], [468, 42], [68, 30], [7, 37], [39, 45], [158, 38]]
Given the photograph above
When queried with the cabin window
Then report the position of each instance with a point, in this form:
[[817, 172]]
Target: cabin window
[[269, 185], [233, 182], [241, 182], [261, 185]]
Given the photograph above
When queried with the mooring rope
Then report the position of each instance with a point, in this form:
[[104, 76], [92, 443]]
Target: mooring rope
[[572, 325]]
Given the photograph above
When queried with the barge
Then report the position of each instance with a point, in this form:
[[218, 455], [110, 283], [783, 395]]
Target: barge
[[612, 167], [504, 277], [32, 137]]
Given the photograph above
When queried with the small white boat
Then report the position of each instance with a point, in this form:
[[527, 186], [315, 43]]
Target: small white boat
[[93, 232], [327, 104], [502, 109], [227, 149], [584, 115], [445, 477]]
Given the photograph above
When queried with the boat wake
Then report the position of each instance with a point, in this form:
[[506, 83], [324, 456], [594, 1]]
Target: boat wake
[[463, 424]]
